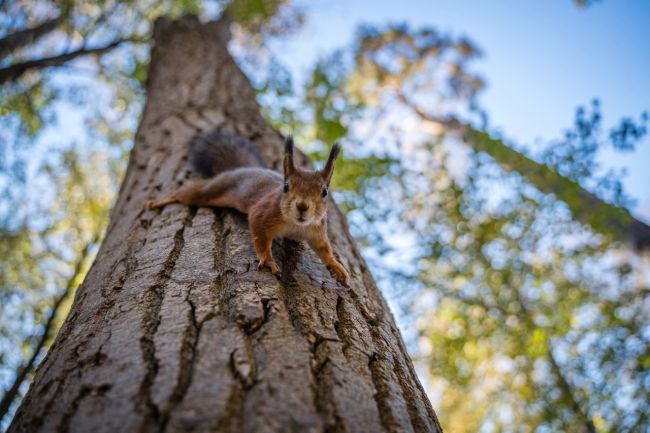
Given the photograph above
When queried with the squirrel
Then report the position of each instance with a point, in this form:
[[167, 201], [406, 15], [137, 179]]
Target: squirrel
[[292, 206]]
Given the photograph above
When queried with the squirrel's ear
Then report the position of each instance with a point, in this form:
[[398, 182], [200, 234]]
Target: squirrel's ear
[[289, 168], [328, 170]]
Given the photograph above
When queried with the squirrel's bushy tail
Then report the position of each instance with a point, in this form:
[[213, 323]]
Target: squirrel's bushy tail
[[214, 152]]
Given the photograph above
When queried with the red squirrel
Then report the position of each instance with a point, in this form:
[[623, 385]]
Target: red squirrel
[[293, 206]]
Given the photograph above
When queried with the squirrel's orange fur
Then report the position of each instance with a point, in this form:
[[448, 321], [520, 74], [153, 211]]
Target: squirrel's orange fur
[[293, 207]]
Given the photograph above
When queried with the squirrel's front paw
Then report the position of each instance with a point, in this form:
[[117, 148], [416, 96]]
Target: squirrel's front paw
[[271, 264], [341, 274]]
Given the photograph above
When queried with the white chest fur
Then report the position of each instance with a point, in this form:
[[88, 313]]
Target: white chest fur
[[295, 232]]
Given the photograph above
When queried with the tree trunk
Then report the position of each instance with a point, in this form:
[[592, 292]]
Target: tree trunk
[[175, 329], [615, 222]]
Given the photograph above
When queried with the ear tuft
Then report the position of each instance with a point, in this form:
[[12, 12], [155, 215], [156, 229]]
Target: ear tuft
[[334, 153], [288, 157], [288, 145], [328, 170]]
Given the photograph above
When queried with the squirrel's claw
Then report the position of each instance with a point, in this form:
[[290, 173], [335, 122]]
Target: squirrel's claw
[[343, 279], [340, 273], [272, 265]]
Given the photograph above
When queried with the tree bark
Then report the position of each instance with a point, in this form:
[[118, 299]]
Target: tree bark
[[174, 329]]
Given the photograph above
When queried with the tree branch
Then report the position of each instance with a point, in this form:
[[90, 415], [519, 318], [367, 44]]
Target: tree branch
[[13, 72], [568, 392], [24, 37], [613, 221], [616, 222], [10, 395], [563, 383]]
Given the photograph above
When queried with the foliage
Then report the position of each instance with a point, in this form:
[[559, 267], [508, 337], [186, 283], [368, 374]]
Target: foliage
[[531, 312], [46, 252], [575, 156], [528, 320], [525, 319]]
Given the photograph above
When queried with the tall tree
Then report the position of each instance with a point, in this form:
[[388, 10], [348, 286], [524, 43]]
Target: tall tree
[[174, 328], [45, 238]]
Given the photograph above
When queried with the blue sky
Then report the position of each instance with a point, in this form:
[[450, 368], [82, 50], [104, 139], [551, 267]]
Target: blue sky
[[541, 60]]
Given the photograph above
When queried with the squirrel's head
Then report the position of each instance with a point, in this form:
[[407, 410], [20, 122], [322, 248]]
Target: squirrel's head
[[304, 200]]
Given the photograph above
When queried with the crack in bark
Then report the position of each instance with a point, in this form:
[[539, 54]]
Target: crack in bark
[[340, 316], [152, 299], [412, 390], [410, 397], [231, 419], [64, 424], [290, 289], [418, 424], [220, 235], [85, 391], [324, 402], [382, 396], [187, 359], [321, 352], [106, 305], [371, 318], [183, 117], [324, 406], [251, 328]]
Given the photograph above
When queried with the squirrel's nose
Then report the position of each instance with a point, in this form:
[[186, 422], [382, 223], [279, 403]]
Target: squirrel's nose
[[302, 207]]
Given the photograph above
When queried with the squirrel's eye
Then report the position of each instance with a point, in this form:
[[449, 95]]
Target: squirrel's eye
[[325, 192], [286, 187]]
